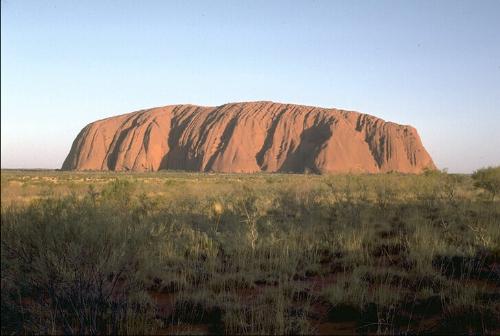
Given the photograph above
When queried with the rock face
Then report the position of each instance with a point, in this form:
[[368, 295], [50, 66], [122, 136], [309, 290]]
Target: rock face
[[248, 137]]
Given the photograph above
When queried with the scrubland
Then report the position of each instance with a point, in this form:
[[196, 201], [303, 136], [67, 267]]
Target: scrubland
[[186, 253]]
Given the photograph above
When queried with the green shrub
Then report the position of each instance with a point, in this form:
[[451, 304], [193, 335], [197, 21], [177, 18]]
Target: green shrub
[[488, 179], [80, 263]]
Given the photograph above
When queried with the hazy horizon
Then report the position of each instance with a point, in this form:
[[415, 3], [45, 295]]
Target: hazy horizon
[[432, 65]]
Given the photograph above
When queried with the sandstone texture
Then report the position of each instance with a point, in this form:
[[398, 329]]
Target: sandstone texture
[[248, 137]]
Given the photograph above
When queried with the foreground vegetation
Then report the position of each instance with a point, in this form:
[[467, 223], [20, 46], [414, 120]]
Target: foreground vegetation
[[174, 253]]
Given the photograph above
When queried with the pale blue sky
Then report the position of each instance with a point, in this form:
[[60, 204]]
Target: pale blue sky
[[432, 64]]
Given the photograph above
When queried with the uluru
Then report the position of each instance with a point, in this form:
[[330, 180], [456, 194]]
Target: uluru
[[248, 137]]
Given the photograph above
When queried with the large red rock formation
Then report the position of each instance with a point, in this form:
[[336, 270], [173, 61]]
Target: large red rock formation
[[248, 137]]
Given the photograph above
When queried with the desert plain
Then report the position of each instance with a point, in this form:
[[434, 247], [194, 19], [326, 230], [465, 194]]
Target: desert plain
[[210, 253]]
